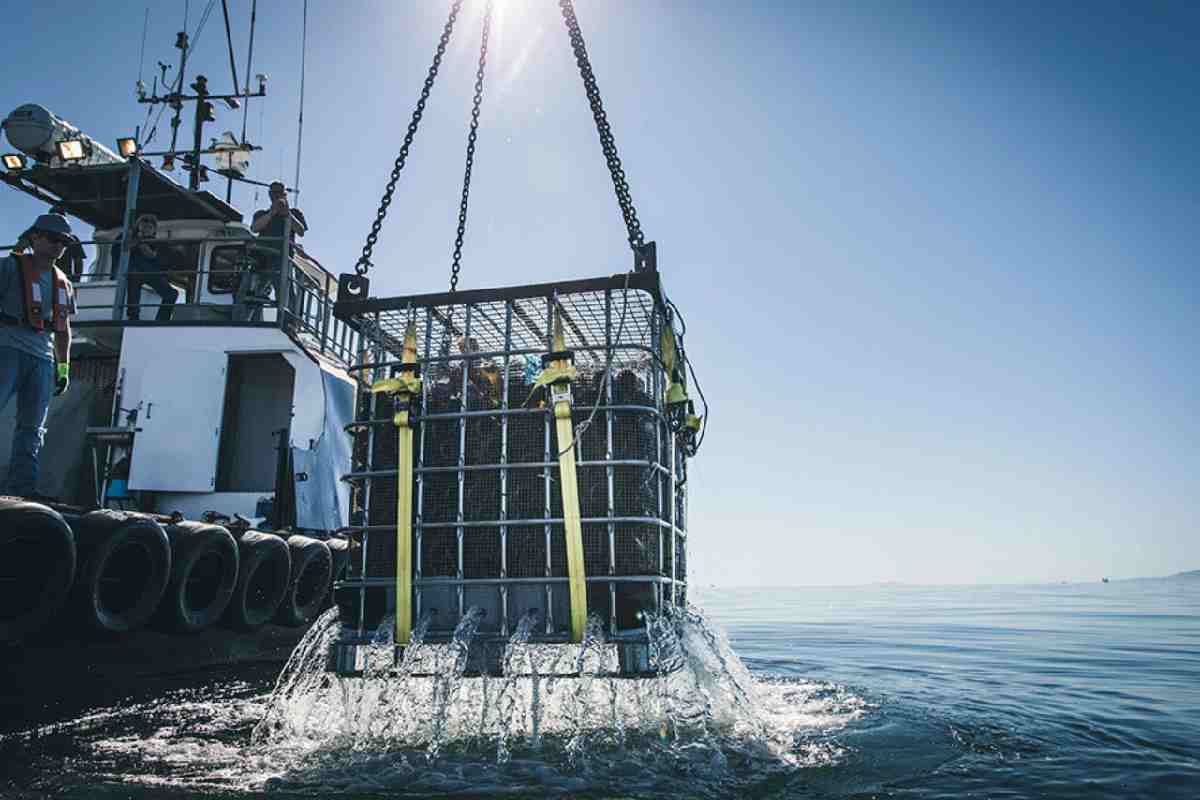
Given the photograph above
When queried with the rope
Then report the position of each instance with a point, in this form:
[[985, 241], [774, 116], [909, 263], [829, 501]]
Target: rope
[[691, 370], [178, 86], [607, 370]]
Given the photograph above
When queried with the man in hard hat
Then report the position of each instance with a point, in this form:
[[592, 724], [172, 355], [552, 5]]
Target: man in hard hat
[[72, 258], [36, 304]]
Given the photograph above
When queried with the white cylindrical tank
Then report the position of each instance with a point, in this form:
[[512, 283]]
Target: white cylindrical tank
[[36, 131]]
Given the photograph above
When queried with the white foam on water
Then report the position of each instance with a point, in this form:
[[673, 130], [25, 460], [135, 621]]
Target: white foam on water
[[703, 715], [702, 727]]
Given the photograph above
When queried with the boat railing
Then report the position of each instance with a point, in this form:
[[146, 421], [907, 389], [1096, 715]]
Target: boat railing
[[234, 282]]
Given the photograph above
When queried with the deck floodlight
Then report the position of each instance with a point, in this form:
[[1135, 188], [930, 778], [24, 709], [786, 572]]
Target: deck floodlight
[[14, 162], [71, 150], [127, 146]]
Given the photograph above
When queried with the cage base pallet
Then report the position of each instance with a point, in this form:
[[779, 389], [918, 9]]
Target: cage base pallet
[[356, 657]]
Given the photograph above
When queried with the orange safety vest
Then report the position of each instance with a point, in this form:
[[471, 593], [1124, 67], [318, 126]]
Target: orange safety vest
[[35, 304]]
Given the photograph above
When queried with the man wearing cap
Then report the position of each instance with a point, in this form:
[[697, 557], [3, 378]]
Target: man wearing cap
[[270, 223], [36, 303]]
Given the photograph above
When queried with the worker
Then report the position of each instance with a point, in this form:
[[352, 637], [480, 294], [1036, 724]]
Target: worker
[[36, 303], [146, 269], [483, 376], [269, 223], [72, 258]]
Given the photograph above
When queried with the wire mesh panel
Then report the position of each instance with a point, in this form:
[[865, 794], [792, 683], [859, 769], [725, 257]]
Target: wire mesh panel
[[488, 521]]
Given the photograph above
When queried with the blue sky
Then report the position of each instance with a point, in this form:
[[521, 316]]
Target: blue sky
[[938, 260]]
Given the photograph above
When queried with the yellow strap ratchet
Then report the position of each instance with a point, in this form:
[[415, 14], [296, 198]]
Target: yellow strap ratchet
[[569, 481], [557, 371], [403, 387]]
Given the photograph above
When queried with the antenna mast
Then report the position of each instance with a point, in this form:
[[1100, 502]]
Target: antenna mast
[[300, 126]]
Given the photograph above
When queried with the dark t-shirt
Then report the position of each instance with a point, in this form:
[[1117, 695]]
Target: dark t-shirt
[[142, 250], [274, 228]]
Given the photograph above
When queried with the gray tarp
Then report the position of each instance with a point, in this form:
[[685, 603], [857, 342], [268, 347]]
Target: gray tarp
[[323, 500]]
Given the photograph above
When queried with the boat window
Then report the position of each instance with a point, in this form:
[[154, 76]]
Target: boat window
[[228, 262], [177, 256], [224, 268], [258, 404]]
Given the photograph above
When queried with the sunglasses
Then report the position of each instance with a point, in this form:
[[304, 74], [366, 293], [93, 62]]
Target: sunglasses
[[57, 239]]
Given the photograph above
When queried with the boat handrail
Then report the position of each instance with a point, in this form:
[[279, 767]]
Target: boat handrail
[[306, 313]]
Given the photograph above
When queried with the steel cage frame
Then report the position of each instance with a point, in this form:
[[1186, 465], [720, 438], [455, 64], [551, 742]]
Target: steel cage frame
[[613, 327]]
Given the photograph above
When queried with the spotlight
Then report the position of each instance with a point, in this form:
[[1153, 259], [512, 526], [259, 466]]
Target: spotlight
[[71, 150], [127, 147], [14, 162]]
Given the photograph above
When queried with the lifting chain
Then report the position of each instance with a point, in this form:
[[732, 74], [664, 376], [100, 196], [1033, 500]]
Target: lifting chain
[[364, 261], [607, 144], [466, 190]]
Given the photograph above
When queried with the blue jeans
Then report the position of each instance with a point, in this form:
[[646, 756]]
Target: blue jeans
[[31, 379], [153, 275]]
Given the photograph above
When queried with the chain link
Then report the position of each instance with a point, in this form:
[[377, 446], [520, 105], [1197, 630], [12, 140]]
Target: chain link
[[364, 261], [607, 143], [466, 190]]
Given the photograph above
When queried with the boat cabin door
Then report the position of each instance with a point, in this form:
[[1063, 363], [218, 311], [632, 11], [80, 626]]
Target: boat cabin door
[[175, 449]]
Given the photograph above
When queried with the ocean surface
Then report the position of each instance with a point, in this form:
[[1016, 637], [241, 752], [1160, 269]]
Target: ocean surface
[[1053, 691]]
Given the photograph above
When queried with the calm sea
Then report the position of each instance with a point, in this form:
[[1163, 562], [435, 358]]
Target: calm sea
[[1057, 691]]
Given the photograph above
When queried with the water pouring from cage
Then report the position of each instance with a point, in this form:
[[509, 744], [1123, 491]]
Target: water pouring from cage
[[549, 701]]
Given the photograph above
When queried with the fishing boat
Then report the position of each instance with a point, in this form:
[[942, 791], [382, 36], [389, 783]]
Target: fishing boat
[[465, 467], [190, 495]]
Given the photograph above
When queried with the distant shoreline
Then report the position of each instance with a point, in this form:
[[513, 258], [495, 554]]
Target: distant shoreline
[[1193, 574]]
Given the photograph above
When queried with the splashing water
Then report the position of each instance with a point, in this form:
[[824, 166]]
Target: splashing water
[[553, 716], [944, 725], [553, 722], [516, 658]]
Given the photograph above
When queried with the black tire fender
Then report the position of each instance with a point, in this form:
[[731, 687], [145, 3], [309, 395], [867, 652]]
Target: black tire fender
[[264, 572], [37, 566], [204, 571], [339, 549], [124, 566], [312, 564]]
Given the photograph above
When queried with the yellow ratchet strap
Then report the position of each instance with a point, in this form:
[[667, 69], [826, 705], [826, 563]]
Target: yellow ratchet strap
[[560, 394], [403, 387], [556, 372], [676, 389]]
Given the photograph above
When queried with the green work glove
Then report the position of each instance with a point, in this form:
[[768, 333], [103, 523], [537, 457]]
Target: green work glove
[[63, 380]]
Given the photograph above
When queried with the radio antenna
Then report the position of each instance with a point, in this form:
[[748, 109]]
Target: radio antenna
[[300, 125]]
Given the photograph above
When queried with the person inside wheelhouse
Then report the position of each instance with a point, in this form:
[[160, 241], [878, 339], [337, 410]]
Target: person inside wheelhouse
[[146, 268]]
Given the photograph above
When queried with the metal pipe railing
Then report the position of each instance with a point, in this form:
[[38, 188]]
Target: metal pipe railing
[[309, 313]]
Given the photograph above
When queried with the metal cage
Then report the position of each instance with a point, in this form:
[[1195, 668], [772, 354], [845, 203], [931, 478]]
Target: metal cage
[[488, 523]]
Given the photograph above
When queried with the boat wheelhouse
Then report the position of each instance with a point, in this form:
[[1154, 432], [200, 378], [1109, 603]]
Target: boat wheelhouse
[[234, 406]]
